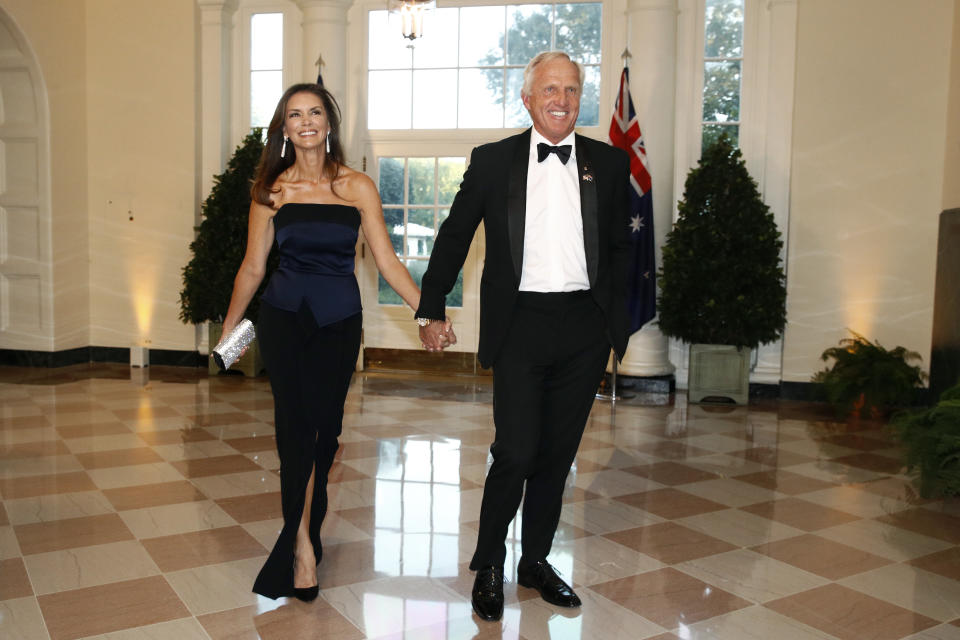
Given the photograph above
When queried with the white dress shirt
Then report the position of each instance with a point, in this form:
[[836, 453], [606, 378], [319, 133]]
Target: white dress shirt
[[553, 255]]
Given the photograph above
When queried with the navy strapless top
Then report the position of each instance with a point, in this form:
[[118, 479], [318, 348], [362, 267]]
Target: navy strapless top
[[317, 244]]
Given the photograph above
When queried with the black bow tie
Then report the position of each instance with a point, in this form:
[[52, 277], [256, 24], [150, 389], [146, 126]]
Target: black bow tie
[[544, 149]]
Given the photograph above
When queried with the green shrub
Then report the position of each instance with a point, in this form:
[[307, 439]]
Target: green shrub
[[722, 280], [222, 240]]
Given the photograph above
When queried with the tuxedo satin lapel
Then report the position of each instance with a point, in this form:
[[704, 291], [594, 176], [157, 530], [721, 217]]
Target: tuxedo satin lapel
[[588, 209], [517, 200]]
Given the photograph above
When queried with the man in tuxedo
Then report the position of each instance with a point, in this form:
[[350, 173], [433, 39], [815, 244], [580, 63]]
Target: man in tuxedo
[[552, 303]]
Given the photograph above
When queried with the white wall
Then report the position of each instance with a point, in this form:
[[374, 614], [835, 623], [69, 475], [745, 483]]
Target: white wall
[[868, 174], [142, 158]]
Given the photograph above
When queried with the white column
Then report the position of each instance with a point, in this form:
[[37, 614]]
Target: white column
[[777, 26], [216, 26], [652, 40], [325, 34], [216, 17]]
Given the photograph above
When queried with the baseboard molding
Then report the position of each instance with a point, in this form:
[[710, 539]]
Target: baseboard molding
[[83, 355], [802, 391], [645, 384], [420, 361]]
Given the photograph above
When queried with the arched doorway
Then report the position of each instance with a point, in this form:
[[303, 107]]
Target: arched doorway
[[26, 261]]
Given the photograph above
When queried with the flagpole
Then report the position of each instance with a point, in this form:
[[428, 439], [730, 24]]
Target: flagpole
[[612, 395]]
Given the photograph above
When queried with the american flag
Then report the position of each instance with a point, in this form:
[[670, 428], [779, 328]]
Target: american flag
[[641, 280]]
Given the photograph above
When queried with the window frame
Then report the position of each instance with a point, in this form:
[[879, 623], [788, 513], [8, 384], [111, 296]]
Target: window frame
[[406, 206], [705, 59], [766, 115], [427, 139], [292, 39]]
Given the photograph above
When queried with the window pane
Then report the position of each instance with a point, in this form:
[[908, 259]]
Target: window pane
[[450, 174], [723, 29], [721, 91], [481, 98], [394, 221], [529, 31], [385, 294], [481, 36], [579, 31], [590, 98], [712, 132], [417, 267], [438, 46], [266, 87], [390, 171], [266, 41], [388, 49], [389, 97], [420, 189], [516, 114], [420, 232], [435, 99]]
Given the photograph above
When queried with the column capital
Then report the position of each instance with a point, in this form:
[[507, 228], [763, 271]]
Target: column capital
[[214, 11], [336, 5], [213, 5], [651, 5]]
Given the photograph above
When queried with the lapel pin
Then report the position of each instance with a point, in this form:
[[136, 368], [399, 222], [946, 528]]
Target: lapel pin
[[588, 177]]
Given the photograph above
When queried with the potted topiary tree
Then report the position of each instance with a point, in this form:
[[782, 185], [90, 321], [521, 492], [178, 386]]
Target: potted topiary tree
[[218, 251], [722, 285]]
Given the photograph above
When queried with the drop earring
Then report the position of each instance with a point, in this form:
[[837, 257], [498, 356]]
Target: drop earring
[[328, 142], [283, 149]]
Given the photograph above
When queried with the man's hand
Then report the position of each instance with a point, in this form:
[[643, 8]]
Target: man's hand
[[437, 336]]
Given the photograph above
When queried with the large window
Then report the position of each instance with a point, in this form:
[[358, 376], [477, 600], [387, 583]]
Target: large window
[[467, 69], [722, 68], [417, 194], [266, 66]]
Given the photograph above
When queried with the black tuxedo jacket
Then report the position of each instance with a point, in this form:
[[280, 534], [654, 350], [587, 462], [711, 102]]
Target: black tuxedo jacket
[[494, 190]]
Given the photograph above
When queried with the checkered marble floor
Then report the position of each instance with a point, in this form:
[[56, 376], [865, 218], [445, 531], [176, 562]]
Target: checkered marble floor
[[141, 503]]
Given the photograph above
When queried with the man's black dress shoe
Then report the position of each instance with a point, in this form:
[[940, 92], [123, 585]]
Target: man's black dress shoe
[[487, 595], [542, 577]]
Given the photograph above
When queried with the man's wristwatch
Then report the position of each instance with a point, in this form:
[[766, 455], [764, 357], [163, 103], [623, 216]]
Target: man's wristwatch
[[422, 322]]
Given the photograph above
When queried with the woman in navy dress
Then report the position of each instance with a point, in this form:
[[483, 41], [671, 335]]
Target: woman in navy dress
[[312, 204]]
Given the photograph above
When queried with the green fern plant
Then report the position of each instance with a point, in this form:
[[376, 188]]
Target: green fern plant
[[931, 439], [867, 378]]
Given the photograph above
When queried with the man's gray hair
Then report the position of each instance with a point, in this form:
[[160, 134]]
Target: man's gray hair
[[546, 56]]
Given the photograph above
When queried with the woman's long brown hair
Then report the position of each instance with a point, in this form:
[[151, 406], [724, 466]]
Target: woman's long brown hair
[[272, 165]]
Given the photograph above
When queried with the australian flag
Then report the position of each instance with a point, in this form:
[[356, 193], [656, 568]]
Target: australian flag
[[641, 280]]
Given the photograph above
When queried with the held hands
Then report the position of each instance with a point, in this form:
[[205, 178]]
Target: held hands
[[437, 336]]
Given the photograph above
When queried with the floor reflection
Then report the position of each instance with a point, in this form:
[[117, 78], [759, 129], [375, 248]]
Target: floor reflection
[[142, 502]]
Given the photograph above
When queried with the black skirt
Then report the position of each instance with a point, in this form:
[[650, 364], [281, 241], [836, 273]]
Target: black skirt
[[310, 368]]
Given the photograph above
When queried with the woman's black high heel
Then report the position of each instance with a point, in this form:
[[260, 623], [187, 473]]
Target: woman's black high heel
[[306, 594]]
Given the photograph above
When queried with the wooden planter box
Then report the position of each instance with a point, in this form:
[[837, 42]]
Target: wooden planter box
[[250, 364], [718, 372]]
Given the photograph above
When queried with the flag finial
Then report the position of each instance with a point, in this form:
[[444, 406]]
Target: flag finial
[[625, 56], [319, 64]]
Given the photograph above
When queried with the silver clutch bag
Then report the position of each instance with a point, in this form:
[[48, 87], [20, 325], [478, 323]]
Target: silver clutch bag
[[228, 349]]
